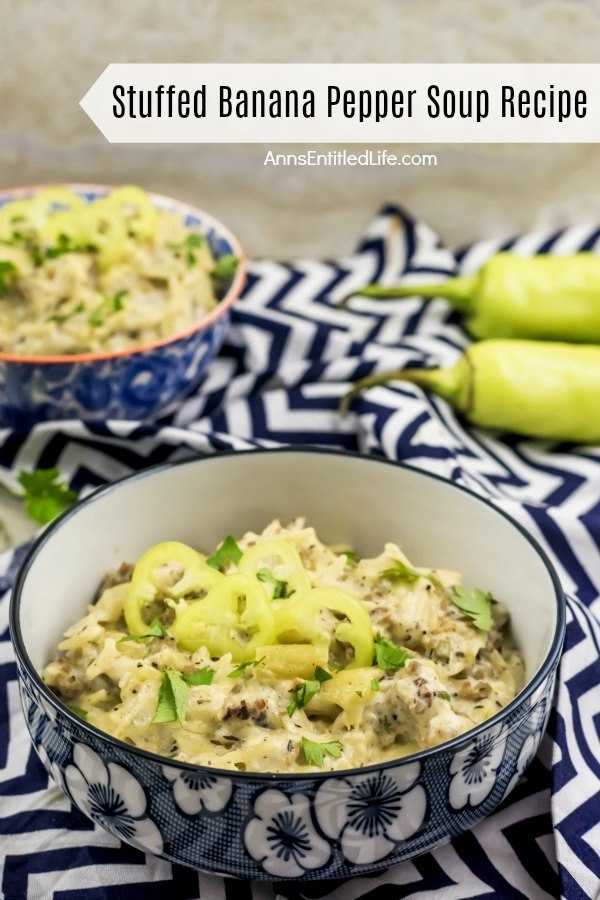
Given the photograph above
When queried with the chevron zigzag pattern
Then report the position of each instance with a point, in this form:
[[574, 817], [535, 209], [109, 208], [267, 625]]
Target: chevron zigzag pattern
[[287, 361]]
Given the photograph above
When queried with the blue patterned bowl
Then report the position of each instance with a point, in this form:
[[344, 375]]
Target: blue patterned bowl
[[130, 384], [302, 827]]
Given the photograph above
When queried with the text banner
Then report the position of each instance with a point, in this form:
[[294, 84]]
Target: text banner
[[347, 103]]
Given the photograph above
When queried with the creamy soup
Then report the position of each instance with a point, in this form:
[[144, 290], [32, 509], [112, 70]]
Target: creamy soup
[[278, 653], [104, 276]]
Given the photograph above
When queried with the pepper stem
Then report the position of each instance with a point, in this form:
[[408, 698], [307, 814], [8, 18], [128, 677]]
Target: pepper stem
[[453, 385], [458, 291]]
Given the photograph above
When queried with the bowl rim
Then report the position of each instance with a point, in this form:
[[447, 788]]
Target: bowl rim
[[209, 319], [545, 668]]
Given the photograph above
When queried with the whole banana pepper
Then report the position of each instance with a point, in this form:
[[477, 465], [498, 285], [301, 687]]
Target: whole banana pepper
[[554, 298], [541, 390]]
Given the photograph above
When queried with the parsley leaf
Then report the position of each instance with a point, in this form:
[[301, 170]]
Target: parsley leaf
[[445, 696], [477, 606], [63, 245], [192, 242], [401, 572], [350, 558], [6, 268], [227, 552], [82, 713], [388, 656], [44, 495], [173, 694], [374, 685], [304, 693], [15, 237], [155, 629], [239, 670], [280, 588], [225, 267], [66, 316], [172, 698], [322, 675], [108, 306], [200, 676], [315, 753]]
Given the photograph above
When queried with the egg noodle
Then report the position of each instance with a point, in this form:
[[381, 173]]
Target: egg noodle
[[278, 653]]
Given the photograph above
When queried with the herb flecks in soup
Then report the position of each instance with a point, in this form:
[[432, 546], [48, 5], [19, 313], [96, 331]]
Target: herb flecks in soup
[[101, 276]]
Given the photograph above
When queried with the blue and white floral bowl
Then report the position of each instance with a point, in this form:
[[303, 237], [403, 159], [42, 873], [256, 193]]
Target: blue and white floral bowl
[[301, 827], [129, 384]]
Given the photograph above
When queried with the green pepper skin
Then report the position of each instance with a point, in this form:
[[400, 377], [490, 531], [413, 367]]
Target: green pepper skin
[[540, 390], [545, 298], [551, 298]]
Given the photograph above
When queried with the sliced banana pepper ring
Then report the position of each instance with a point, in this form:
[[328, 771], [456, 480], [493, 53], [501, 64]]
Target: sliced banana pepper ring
[[104, 224], [31, 215], [197, 576], [21, 216], [104, 228], [234, 617], [60, 197], [299, 620], [138, 208], [284, 563]]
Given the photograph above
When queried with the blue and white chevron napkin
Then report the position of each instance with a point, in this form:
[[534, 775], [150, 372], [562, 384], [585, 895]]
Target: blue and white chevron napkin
[[286, 363]]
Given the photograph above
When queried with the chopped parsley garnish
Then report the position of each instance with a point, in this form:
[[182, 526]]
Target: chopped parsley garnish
[[304, 693], [44, 495], [477, 605], [82, 713], [239, 670], [350, 558], [191, 243], [64, 317], [63, 245], [6, 268], [315, 753], [225, 268], [388, 656], [200, 676], [155, 629], [359, 694], [280, 588], [107, 307], [172, 698], [15, 237], [387, 726], [401, 572], [322, 675], [173, 694], [374, 685], [445, 696], [227, 552]]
